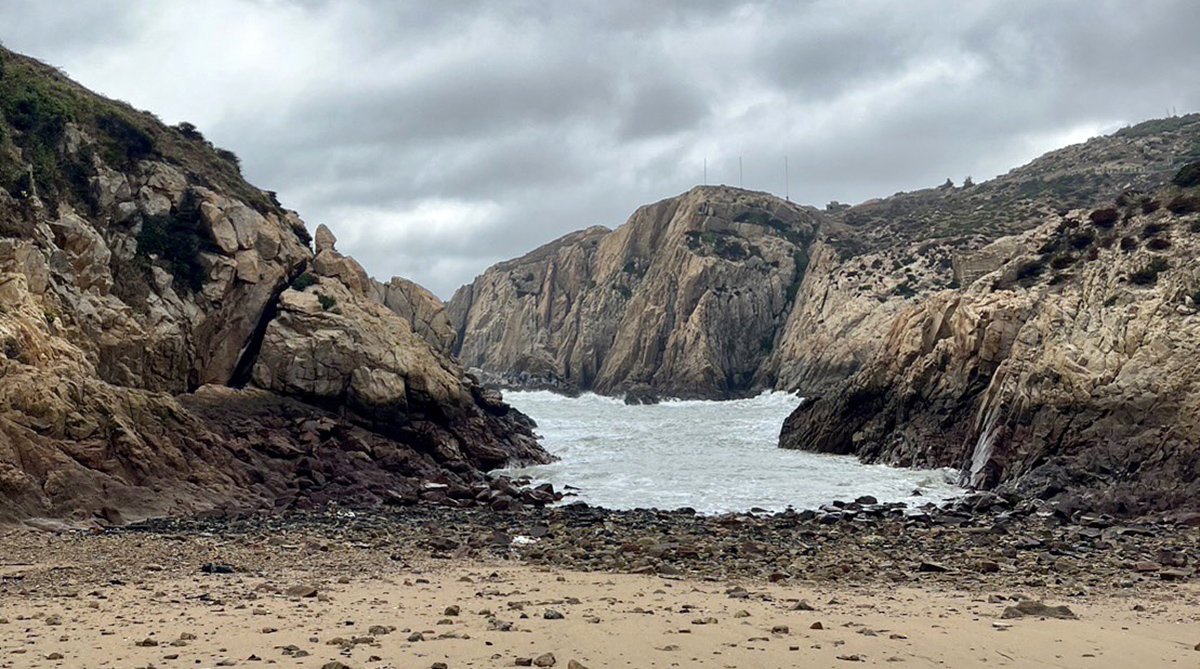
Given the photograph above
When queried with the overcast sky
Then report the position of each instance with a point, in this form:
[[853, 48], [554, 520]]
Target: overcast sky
[[436, 138]]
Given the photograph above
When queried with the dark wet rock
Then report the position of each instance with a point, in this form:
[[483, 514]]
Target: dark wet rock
[[1175, 574], [641, 396], [217, 568]]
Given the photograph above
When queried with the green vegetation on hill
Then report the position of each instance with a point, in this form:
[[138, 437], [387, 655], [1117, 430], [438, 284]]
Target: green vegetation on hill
[[1139, 158], [37, 104]]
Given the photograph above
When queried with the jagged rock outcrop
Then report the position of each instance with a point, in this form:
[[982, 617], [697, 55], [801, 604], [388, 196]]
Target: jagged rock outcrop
[[685, 298], [421, 308], [1070, 369], [876, 259], [563, 317], [335, 347], [145, 284]]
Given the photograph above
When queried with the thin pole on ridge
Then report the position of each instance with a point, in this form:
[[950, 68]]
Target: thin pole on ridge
[[787, 181]]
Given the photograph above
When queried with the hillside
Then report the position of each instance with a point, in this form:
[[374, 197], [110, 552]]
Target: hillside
[[172, 343], [651, 309], [1070, 368]]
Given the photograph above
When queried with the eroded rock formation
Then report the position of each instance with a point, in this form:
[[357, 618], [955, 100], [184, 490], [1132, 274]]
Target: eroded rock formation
[[1069, 368], [170, 343], [685, 298], [614, 311]]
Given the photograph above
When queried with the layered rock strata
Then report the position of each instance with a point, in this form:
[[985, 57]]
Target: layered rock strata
[[1070, 367], [170, 342]]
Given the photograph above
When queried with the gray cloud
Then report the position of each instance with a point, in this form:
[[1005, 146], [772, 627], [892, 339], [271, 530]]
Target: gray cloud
[[438, 138]]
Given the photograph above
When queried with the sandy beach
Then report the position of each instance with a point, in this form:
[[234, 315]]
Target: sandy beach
[[130, 601]]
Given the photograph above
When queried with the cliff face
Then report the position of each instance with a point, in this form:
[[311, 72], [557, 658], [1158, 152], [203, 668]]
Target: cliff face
[[879, 258], [1070, 367], [663, 304], [685, 299], [171, 343]]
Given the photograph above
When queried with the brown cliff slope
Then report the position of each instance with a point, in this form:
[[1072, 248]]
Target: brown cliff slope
[[684, 299], [159, 318], [1069, 371], [648, 308], [877, 258]]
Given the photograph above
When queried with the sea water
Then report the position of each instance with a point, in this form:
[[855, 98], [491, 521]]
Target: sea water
[[711, 456]]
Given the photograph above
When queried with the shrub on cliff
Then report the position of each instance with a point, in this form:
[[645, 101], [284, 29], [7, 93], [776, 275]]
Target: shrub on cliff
[[304, 281], [1184, 205], [176, 240], [1104, 218], [1188, 176], [1148, 275]]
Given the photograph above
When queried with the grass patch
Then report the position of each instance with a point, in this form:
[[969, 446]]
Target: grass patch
[[38, 102]]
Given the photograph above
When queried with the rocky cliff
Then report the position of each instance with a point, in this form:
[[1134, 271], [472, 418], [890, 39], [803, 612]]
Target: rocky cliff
[[721, 292], [1068, 368], [171, 342], [685, 299]]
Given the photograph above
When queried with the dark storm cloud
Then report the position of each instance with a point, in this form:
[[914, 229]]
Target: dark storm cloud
[[439, 137]]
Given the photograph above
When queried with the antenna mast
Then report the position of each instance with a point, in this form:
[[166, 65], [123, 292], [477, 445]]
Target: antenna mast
[[741, 176], [787, 181]]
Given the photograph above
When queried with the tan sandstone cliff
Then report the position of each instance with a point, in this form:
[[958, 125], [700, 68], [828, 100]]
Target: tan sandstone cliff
[[662, 305], [1069, 368], [171, 343], [684, 299]]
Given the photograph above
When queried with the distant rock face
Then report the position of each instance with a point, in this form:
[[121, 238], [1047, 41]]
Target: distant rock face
[[564, 318], [685, 298], [1069, 368], [154, 358]]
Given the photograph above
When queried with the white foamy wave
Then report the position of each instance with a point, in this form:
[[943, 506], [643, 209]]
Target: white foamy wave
[[711, 456]]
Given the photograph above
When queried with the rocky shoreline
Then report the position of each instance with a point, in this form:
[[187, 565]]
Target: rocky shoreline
[[977, 540]]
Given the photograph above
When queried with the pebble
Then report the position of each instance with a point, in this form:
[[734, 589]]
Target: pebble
[[1033, 608], [301, 591], [545, 660]]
